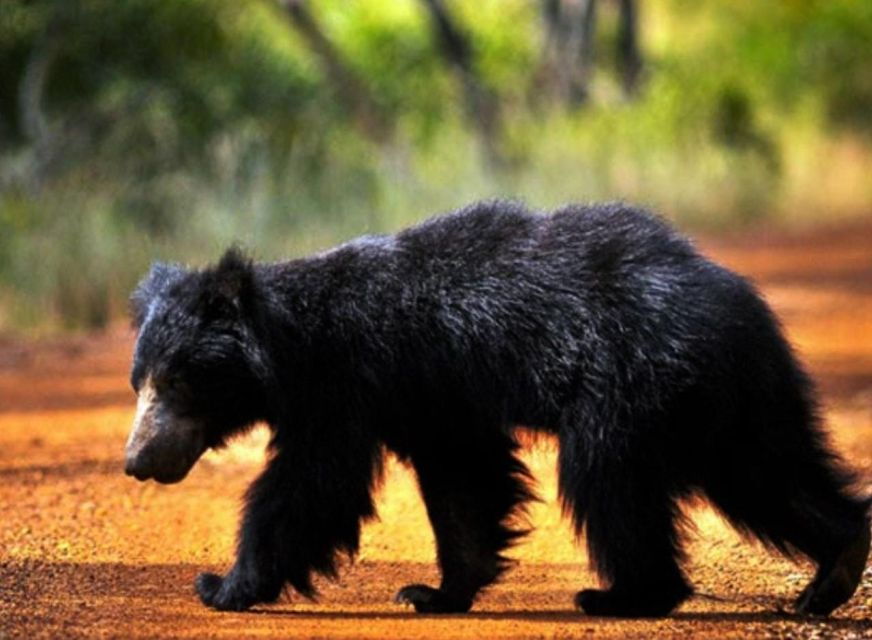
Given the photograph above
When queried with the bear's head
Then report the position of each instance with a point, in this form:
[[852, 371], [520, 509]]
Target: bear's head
[[197, 370]]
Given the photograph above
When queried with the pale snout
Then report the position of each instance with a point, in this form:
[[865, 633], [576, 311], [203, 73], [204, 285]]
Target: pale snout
[[161, 445]]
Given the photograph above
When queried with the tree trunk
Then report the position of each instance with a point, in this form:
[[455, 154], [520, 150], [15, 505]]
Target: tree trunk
[[550, 78], [482, 106], [31, 93], [580, 49], [568, 50], [629, 55], [348, 87]]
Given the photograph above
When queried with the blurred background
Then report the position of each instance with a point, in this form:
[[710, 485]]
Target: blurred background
[[132, 130]]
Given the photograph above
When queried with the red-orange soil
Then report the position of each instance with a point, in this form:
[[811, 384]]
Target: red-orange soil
[[87, 552]]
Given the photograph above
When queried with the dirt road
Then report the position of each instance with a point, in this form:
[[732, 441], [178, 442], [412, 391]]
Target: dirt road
[[86, 551]]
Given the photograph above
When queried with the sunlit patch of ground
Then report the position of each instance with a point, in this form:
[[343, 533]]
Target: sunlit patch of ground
[[86, 551]]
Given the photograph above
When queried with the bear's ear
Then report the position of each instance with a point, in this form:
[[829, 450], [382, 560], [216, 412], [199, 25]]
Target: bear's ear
[[160, 277], [228, 286]]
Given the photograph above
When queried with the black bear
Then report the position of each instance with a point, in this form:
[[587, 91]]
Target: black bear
[[661, 374]]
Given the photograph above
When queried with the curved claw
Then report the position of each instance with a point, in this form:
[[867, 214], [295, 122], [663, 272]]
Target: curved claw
[[426, 599]]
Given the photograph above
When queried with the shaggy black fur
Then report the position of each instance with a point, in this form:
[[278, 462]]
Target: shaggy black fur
[[661, 374]]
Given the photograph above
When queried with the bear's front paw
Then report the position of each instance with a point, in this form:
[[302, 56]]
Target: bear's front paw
[[429, 600], [220, 593], [207, 585]]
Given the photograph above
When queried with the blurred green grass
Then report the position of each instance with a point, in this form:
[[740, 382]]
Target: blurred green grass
[[181, 127]]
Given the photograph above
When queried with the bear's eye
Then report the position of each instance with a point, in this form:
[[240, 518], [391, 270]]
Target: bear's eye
[[177, 386]]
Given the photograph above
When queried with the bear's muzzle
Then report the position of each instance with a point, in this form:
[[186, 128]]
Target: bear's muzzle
[[161, 445]]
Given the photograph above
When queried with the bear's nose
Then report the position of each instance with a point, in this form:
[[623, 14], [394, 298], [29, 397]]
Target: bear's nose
[[129, 466], [136, 466]]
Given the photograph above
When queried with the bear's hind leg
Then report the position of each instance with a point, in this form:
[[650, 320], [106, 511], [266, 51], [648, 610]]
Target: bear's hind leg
[[799, 499], [470, 490], [772, 473], [629, 513]]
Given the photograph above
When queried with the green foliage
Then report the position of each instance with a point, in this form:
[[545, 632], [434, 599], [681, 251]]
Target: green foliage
[[819, 51], [175, 127]]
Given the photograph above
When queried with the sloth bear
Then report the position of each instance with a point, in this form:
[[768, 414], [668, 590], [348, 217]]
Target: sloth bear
[[661, 374]]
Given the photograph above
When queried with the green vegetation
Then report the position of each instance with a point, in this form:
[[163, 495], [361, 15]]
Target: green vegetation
[[170, 128]]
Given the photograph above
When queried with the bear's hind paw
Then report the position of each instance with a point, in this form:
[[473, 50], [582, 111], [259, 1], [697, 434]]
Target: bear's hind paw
[[429, 600], [835, 583]]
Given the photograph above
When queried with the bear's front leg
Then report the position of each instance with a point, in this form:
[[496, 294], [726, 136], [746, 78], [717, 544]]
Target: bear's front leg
[[629, 515], [468, 503], [254, 577], [257, 575], [297, 519]]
